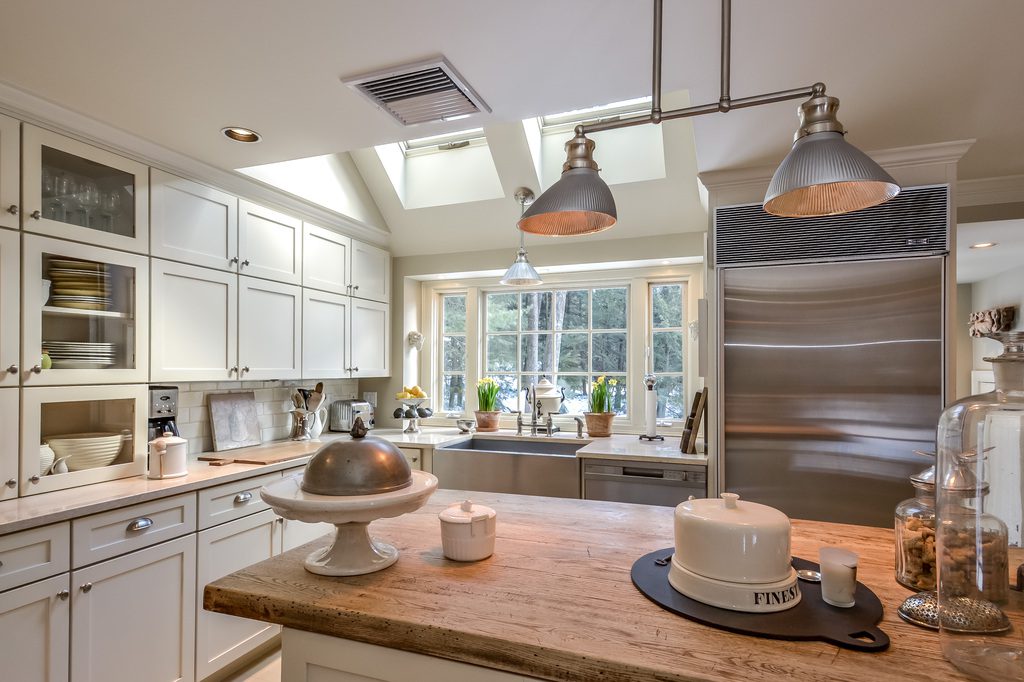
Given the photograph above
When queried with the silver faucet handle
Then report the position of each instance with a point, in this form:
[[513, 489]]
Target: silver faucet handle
[[550, 423], [519, 421], [579, 427]]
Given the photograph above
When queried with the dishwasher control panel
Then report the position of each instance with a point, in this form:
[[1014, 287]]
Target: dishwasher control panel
[[642, 482]]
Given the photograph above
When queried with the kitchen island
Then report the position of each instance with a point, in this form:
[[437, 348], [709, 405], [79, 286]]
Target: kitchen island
[[554, 602]]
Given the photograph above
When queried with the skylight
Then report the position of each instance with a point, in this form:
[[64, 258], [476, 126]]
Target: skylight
[[445, 142], [608, 112]]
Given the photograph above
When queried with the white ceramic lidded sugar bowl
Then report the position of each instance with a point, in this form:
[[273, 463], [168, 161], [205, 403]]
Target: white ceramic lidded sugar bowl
[[734, 555], [168, 456], [467, 531]]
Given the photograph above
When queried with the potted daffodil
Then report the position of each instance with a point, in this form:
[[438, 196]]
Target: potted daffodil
[[599, 419], [487, 402]]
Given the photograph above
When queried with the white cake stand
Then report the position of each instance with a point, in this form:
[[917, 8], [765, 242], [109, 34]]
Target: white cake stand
[[353, 551]]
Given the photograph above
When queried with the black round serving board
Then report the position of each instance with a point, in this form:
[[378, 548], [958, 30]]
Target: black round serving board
[[852, 628]]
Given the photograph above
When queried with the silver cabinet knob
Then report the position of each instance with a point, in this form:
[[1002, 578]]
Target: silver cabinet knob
[[13, 209], [139, 524], [279, 520], [243, 497], [34, 479], [355, 369], [12, 369], [233, 261], [35, 215], [245, 262], [233, 369], [245, 369], [36, 369], [86, 587], [11, 483], [355, 287], [63, 595]]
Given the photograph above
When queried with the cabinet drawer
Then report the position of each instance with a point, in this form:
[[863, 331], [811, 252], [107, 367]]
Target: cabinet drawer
[[414, 457], [233, 500], [34, 554], [102, 536]]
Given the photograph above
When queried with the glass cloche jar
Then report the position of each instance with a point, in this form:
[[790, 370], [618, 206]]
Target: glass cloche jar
[[915, 534], [980, 517]]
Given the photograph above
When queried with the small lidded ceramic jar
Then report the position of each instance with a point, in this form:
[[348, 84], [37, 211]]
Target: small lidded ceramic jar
[[467, 531]]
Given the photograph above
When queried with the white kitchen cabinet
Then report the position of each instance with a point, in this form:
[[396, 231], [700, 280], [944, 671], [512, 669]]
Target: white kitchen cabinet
[[194, 327], [10, 305], [116, 411], [94, 320], [229, 547], [134, 617], [10, 423], [269, 329], [296, 533], [10, 173], [34, 620], [370, 339], [325, 259], [193, 223], [269, 244], [76, 191], [325, 335], [371, 272]]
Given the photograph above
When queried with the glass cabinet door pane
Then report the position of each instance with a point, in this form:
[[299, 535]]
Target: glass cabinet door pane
[[87, 434], [88, 316], [85, 193]]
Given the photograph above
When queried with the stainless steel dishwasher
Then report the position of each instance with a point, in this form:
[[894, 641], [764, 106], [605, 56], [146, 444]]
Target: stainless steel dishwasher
[[642, 482]]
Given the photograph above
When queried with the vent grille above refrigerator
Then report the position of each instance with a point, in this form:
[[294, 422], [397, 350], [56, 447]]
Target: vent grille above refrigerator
[[420, 93], [915, 222]]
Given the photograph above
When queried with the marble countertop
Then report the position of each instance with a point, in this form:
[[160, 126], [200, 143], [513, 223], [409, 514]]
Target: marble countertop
[[38, 510]]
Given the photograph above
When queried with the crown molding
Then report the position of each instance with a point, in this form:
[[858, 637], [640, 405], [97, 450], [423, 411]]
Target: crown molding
[[46, 114], [983, 191]]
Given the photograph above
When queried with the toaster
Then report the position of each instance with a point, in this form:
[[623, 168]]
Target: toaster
[[343, 414]]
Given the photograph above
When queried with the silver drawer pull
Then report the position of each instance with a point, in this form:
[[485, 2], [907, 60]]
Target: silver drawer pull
[[63, 595], [242, 498], [11, 483], [86, 587], [139, 524]]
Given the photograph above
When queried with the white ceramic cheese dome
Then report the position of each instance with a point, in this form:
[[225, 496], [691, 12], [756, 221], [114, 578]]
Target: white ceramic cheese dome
[[734, 554]]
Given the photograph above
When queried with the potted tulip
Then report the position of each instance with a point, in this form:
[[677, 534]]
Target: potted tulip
[[599, 419], [487, 401]]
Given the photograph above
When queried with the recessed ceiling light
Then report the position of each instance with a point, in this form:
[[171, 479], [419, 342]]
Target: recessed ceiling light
[[239, 134], [984, 245]]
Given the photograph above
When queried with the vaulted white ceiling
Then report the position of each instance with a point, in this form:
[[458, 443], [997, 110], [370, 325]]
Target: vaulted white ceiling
[[908, 72]]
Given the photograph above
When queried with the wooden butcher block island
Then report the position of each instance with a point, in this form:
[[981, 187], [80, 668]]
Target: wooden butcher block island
[[554, 602]]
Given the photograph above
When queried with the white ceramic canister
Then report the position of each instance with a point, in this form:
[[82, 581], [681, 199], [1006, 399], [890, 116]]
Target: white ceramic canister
[[168, 456], [467, 531]]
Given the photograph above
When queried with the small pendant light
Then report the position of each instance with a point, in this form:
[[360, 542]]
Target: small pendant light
[[521, 273], [823, 174], [579, 203]]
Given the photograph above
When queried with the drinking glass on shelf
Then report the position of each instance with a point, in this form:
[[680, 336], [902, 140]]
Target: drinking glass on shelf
[[111, 204], [46, 182], [89, 198], [66, 188]]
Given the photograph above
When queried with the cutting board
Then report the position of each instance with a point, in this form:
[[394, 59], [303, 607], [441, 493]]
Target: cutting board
[[253, 458]]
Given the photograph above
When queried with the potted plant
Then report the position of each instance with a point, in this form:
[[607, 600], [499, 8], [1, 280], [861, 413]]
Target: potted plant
[[599, 419], [487, 402]]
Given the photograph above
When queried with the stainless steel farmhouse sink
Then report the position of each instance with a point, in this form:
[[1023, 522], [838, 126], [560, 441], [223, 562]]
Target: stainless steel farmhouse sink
[[510, 465]]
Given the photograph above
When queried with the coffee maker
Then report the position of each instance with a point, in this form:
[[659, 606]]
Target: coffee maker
[[163, 411]]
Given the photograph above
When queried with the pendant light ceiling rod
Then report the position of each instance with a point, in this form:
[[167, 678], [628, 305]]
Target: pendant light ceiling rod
[[725, 102]]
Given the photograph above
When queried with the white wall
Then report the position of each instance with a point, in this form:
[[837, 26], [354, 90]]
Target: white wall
[[1004, 289]]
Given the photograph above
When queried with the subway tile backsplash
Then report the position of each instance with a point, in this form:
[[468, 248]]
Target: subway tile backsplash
[[273, 406]]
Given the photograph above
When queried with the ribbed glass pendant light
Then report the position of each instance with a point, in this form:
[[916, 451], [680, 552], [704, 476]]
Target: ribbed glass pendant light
[[823, 174], [521, 273]]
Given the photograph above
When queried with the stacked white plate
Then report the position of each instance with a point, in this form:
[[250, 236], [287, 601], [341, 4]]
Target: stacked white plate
[[80, 354], [86, 450], [83, 285]]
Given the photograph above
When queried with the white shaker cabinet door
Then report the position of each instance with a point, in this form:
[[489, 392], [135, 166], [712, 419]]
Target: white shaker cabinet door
[[325, 259], [9, 424], [229, 547], [325, 335], [10, 174], [371, 339], [269, 330], [269, 244], [371, 272], [297, 533], [133, 618], [193, 223], [10, 315], [34, 621], [194, 330]]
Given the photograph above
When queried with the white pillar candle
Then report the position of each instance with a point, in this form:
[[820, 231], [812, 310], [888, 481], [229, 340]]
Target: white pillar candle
[[651, 412], [838, 576]]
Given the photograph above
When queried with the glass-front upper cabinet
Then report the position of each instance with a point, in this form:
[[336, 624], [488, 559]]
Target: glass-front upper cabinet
[[75, 435], [76, 191], [85, 314]]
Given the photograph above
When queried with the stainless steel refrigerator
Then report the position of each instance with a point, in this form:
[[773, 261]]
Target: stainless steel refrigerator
[[832, 370]]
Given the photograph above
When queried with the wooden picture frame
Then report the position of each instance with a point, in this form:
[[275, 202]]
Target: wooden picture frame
[[698, 413]]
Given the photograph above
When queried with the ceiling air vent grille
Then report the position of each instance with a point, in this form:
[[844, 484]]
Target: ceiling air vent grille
[[420, 93], [915, 222]]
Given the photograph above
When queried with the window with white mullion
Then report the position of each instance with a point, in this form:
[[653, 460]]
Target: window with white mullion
[[453, 353], [667, 344]]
